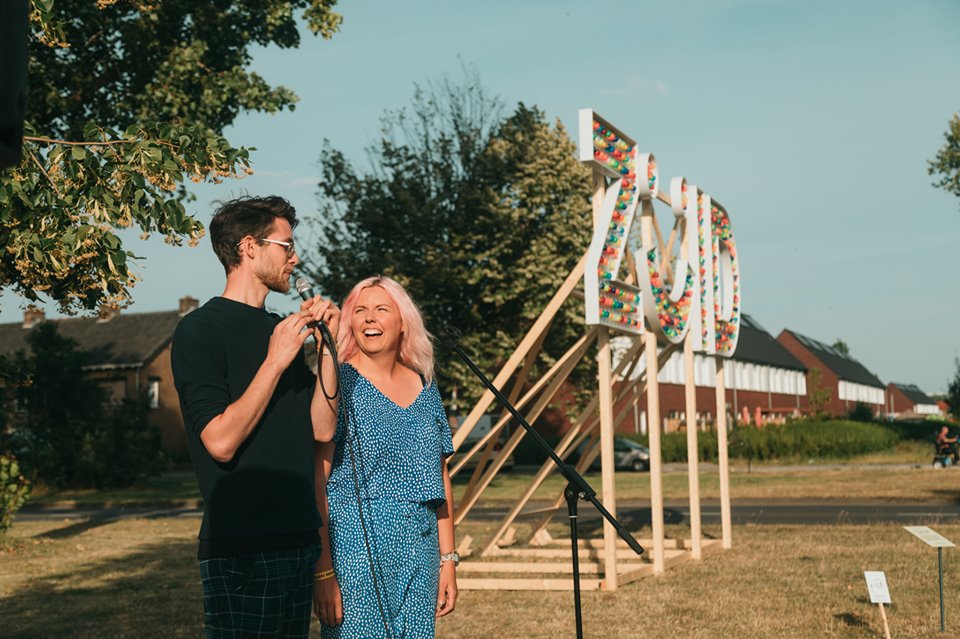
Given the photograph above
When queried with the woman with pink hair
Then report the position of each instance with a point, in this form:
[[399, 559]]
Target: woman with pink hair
[[388, 564]]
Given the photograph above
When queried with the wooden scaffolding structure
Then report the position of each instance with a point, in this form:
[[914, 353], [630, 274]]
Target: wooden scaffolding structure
[[543, 562]]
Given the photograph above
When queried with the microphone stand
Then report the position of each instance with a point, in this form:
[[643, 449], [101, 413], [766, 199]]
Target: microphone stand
[[577, 487]]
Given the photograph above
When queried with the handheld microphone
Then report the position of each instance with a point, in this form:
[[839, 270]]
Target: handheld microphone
[[306, 293]]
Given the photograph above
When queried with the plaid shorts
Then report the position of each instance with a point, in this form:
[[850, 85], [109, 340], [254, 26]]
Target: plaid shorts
[[263, 594]]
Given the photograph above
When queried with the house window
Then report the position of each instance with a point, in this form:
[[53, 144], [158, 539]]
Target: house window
[[153, 393]]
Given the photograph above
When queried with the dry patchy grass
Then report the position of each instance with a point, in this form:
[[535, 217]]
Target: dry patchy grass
[[138, 578]]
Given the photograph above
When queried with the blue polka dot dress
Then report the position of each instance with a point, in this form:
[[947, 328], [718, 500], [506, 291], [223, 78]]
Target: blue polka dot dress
[[397, 453]]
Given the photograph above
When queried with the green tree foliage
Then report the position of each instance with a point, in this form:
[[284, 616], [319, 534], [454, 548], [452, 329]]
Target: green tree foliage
[[841, 346], [127, 100], [861, 413], [14, 490], [818, 396], [946, 165], [480, 215], [62, 426], [953, 390]]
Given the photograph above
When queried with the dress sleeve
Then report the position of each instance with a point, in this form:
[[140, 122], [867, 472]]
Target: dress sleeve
[[199, 374], [443, 426]]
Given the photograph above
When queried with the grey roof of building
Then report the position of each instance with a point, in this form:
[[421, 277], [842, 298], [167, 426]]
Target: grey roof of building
[[843, 365], [757, 346], [914, 394], [125, 341]]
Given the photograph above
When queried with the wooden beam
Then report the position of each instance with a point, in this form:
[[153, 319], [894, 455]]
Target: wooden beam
[[527, 397], [648, 224], [539, 326], [471, 583], [693, 447], [563, 449], [726, 525], [514, 440]]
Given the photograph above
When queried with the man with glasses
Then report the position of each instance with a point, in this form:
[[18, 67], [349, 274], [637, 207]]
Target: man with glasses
[[253, 411]]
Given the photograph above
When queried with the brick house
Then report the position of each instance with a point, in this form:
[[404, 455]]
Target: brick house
[[848, 381], [128, 354], [907, 401], [764, 383]]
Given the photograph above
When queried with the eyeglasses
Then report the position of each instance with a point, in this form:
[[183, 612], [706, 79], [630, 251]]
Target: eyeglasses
[[287, 246]]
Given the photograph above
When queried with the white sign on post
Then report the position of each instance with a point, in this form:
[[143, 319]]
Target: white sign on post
[[929, 537], [877, 586]]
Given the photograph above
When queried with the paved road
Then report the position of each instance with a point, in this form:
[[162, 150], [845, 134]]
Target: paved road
[[633, 513]]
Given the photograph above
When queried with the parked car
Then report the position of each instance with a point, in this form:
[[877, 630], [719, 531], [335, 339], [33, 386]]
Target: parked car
[[627, 455], [482, 428]]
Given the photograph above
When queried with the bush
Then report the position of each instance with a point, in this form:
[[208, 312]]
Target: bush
[[14, 490], [799, 439], [861, 413], [70, 435], [121, 449]]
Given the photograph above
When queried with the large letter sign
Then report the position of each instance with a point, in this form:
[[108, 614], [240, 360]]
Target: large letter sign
[[704, 296], [611, 302]]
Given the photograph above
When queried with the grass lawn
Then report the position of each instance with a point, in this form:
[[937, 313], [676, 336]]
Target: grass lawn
[[178, 486], [865, 484], [138, 578]]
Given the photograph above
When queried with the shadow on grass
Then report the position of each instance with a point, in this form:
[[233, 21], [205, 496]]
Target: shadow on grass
[[949, 495], [152, 592], [851, 619], [76, 528], [97, 521]]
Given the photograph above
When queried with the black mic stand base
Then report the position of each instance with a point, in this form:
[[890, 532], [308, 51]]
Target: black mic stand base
[[573, 496]]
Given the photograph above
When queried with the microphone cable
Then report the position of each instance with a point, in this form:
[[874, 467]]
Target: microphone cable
[[363, 526], [331, 346]]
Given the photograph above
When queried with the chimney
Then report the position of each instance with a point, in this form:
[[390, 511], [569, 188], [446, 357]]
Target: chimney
[[188, 304], [108, 313], [33, 316]]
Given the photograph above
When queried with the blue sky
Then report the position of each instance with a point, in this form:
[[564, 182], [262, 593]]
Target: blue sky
[[812, 121]]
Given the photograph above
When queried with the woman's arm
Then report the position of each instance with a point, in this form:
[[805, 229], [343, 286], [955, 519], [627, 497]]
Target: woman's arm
[[447, 595], [327, 602]]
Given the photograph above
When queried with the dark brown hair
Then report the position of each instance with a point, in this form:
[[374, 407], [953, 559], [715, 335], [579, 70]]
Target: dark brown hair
[[236, 219]]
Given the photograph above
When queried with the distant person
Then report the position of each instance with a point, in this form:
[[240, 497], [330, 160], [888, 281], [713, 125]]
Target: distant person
[[947, 445], [253, 411], [391, 560]]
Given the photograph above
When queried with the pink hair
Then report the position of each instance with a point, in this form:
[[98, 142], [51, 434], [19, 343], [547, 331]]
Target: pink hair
[[416, 347]]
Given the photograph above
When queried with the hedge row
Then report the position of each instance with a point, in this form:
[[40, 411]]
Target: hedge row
[[831, 439]]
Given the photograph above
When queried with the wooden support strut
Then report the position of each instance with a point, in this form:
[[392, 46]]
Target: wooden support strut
[[539, 326], [585, 426], [561, 370], [563, 448], [723, 455], [518, 384], [505, 417], [587, 422]]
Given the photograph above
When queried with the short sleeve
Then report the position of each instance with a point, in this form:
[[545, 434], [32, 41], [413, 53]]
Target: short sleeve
[[444, 435], [199, 374]]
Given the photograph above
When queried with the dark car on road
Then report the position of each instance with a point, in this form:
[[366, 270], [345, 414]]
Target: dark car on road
[[627, 455]]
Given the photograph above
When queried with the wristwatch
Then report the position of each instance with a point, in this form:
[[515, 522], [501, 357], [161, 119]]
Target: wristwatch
[[451, 556]]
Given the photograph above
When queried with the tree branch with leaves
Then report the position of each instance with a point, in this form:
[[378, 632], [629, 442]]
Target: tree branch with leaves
[[946, 165], [127, 101]]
